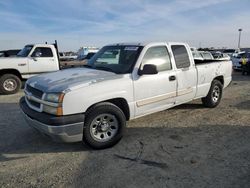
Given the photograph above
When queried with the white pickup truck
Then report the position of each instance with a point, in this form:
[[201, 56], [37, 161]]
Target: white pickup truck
[[121, 82], [31, 60]]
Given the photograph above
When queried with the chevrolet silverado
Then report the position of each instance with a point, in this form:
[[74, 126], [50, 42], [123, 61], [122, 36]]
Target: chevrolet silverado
[[119, 83]]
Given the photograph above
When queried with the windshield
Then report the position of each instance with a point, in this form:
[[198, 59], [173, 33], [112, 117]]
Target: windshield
[[25, 51], [119, 59]]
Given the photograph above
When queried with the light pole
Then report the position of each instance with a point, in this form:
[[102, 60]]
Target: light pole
[[240, 30]]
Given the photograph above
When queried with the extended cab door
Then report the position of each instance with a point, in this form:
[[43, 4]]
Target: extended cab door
[[157, 91], [42, 59], [186, 73]]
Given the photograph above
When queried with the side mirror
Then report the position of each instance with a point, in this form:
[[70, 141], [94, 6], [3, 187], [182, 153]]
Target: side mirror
[[148, 69]]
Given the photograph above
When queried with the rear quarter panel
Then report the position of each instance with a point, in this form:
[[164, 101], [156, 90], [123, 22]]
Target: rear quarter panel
[[207, 73]]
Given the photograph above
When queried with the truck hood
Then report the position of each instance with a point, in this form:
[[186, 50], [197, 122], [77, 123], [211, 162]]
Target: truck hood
[[70, 79], [10, 59], [11, 62]]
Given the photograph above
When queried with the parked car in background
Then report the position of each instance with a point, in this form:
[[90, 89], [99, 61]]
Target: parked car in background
[[202, 55], [220, 56], [196, 54], [80, 61], [84, 51], [67, 56], [121, 82], [239, 58], [87, 57], [32, 60], [230, 52], [206, 55]]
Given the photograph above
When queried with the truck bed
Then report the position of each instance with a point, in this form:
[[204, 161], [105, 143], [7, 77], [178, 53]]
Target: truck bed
[[201, 62], [71, 64], [207, 70]]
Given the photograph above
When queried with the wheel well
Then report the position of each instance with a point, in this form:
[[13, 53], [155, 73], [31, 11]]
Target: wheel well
[[10, 71], [120, 102], [220, 78]]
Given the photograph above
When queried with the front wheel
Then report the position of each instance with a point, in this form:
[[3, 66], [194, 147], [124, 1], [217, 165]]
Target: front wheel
[[214, 95], [9, 84], [104, 126]]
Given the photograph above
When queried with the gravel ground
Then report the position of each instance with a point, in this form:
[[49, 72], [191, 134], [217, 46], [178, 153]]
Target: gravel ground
[[188, 146]]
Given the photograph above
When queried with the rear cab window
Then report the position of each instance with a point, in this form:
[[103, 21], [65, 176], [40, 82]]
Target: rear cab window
[[181, 56]]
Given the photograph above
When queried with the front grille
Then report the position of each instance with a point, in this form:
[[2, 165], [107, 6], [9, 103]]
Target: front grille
[[35, 92], [34, 103]]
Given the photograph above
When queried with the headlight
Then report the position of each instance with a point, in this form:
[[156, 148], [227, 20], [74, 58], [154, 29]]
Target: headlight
[[53, 104], [54, 97], [53, 110]]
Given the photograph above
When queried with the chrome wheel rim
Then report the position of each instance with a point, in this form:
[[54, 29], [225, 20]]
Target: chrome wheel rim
[[9, 84], [216, 94], [104, 127]]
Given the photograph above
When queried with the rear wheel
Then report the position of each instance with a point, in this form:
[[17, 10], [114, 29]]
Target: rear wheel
[[104, 126], [9, 84], [214, 95]]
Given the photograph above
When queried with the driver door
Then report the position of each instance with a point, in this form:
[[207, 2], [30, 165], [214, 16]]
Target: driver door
[[41, 61], [157, 91]]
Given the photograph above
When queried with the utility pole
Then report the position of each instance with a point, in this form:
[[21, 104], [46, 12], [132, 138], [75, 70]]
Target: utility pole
[[240, 30]]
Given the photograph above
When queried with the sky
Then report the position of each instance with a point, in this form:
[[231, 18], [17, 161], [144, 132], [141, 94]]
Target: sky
[[77, 23]]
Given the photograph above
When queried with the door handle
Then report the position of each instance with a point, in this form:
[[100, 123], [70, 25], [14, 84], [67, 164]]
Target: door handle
[[172, 78], [22, 64]]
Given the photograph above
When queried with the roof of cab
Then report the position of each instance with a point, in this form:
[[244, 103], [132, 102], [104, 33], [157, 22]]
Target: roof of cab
[[146, 43], [45, 45]]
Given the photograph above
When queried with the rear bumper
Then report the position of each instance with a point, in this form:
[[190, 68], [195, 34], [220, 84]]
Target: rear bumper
[[59, 128]]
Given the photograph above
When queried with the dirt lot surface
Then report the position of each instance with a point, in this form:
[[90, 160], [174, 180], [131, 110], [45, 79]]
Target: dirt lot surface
[[188, 146]]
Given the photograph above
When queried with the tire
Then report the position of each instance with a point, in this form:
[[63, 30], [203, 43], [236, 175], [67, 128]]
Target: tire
[[9, 84], [104, 126], [214, 95]]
